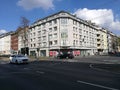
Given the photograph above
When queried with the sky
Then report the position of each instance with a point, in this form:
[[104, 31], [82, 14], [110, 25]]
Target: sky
[[105, 13]]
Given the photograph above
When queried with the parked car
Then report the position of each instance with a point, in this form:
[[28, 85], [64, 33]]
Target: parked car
[[18, 59], [65, 55]]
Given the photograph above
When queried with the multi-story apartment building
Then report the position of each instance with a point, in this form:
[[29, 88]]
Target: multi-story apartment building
[[63, 32], [5, 43]]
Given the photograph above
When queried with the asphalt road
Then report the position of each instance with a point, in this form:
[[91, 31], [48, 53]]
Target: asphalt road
[[60, 75]]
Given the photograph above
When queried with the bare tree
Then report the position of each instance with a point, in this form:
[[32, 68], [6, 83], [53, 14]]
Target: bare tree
[[23, 32], [24, 22]]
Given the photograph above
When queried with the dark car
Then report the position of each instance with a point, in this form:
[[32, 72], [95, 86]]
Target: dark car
[[65, 55]]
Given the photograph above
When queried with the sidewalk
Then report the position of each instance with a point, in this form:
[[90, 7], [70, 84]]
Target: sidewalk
[[87, 59]]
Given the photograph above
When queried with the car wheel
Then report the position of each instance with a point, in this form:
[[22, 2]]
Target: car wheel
[[16, 62], [10, 62]]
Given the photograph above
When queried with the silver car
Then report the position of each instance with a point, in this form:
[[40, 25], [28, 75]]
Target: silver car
[[18, 59]]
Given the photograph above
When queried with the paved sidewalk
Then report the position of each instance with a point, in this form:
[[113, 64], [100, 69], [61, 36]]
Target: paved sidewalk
[[87, 59]]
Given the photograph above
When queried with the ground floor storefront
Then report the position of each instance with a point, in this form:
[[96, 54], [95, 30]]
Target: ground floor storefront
[[55, 52]]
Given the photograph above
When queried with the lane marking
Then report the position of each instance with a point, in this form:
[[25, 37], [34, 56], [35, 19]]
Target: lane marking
[[40, 72], [26, 68], [96, 85], [99, 69], [91, 65], [3, 62]]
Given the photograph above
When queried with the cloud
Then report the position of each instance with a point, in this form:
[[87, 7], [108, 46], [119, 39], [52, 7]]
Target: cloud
[[102, 17], [2, 31], [32, 4]]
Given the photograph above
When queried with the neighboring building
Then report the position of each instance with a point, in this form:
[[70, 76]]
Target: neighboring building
[[14, 43], [102, 41], [112, 42], [5, 43], [118, 43], [105, 41], [63, 32]]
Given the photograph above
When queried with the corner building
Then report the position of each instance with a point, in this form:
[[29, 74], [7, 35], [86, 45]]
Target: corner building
[[62, 32]]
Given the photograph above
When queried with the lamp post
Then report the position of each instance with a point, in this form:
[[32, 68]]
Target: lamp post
[[38, 51]]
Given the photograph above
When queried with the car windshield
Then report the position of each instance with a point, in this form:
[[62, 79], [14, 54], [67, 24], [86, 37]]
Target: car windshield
[[20, 56]]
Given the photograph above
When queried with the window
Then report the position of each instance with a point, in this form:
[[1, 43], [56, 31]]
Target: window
[[50, 23], [34, 44], [74, 42], [80, 30], [55, 35], [44, 43], [39, 27], [87, 32], [55, 28], [39, 38], [50, 36], [44, 25], [74, 35], [80, 43], [34, 33], [44, 32], [39, 44], [55, 21], [39, 32], [44, 38], [64, 42], [50, 29], [31, 40], [74, 29], [63, 20], [74, 22], [80, 37], [50, 42], [55, 42]]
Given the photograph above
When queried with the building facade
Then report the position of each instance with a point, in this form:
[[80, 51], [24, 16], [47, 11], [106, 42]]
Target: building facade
[[60, 33]]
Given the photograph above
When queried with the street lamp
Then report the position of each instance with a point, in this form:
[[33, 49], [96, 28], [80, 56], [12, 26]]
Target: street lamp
[[38, 51]]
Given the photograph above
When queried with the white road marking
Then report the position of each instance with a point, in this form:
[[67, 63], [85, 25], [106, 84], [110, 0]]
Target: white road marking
[[91, 65], [3, 62], [26, 68], [96, 85], [40, 72]]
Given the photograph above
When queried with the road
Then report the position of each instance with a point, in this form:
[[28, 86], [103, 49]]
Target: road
[[60, 75]]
